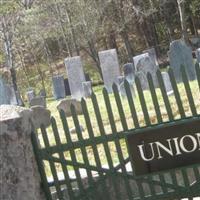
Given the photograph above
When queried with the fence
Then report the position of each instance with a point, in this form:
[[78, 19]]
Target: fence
[[98, 166]]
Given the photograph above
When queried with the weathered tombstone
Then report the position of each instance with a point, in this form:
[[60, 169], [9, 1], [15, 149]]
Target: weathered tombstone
[[129, 72], [30, 94], [3, 93], [38, 101], [181, 54], [11, 95], [198, 55], [110, 68], [58, 87], [152, 55], [195, 41], [87, 88], [65, 106], [144, 64], [67, 88], [75, 76], [121, 86], [167, 83]]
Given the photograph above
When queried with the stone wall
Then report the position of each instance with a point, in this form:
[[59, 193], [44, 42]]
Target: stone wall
[[19, 176]]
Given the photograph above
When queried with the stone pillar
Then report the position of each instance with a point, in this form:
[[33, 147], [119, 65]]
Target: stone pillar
[[19, 179]]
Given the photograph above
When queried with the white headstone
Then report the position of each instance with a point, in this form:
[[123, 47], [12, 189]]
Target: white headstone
[[181, 54], [76, 76], [144, 64], [167, 83], [110, 68]]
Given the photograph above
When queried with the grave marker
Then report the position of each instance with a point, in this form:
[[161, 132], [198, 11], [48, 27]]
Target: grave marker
[[144, 64], [167, 83], [58, 87], [110, 68], [76, 76], [181, 54]]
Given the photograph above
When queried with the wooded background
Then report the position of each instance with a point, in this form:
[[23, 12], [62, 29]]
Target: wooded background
[[36, 35]]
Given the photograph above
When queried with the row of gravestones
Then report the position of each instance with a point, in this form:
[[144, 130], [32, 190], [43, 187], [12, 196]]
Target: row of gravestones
[[179, 54], [78, 86]]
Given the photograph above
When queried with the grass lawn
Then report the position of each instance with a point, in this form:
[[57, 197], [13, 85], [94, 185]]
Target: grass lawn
[[51, 104]]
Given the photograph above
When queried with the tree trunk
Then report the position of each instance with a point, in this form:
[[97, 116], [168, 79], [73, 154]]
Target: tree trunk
[[181, 8], [127, 42]]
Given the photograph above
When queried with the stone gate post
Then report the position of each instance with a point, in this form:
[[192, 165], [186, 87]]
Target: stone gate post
[[19, 176]]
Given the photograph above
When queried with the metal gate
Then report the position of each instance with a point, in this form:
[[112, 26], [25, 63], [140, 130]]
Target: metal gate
[[98, 166]]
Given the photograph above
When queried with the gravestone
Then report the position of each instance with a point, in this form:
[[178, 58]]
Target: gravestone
[[167, 83], [3, 93], [76, 76], [121, 86], [198, 55], [181, 54], [58, 87], [30, 94], [65, 106], [152, 54], [87, 88], [11, 95], [129, 72], [38, 101], [144, 64], [110, 68]]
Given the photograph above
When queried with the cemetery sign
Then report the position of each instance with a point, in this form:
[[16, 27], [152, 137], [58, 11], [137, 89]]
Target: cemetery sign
[[164, 147]]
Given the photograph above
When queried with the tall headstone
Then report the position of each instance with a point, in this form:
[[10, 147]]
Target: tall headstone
[[87, 88], [144, 64], [30, 94], [167, 83], [3, 93], [76, 76], [58, 87], [198, 55], [181, 54], [110, 68], [129, 72], [152, 55]]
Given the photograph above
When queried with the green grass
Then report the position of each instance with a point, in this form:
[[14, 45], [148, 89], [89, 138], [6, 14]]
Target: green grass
[[51, 103]]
